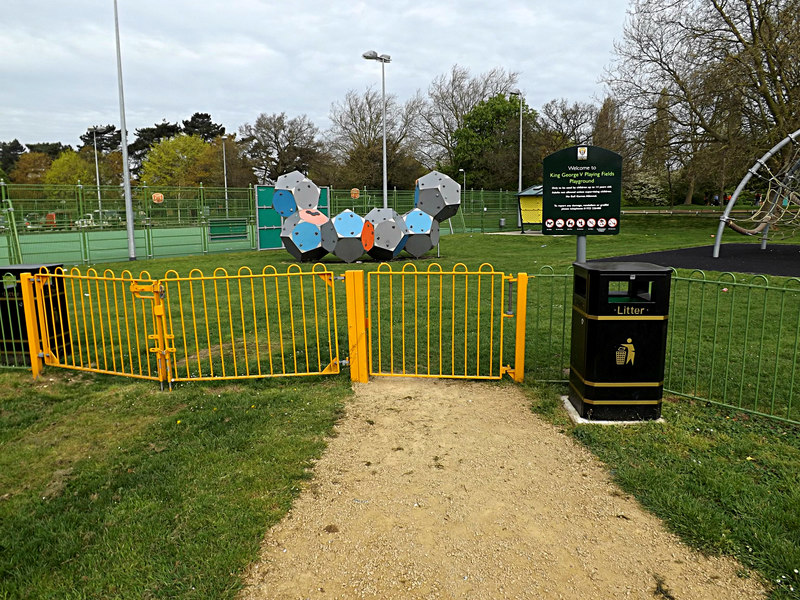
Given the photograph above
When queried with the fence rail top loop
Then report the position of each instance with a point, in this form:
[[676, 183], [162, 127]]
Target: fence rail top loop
[[294, 269], [245, 271], [460, 267], [409, 268], [486, 268], [269, 270], [220, 272], [384, 266], [319, 268], [435, 268]]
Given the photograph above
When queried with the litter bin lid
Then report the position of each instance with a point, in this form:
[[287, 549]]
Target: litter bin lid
[[621, 267]]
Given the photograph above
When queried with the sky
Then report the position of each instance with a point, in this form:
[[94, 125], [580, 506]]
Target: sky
[[236, 59]]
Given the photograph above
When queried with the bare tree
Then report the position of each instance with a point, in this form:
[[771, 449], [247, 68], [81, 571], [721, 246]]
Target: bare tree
[[356, 138], [276, 144], [564, 124], [450, 97], [723, 69]]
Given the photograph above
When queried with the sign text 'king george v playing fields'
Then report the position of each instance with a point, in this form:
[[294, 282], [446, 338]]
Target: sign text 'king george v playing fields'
[[582, 192]]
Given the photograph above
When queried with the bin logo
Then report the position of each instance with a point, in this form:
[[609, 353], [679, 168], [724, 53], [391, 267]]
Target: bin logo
[[625, 353]]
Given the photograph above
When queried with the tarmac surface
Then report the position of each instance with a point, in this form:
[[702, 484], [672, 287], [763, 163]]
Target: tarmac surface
[[777, 259]]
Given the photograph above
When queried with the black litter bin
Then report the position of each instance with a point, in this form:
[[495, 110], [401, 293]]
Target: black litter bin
[[13, 327], [619, 339]]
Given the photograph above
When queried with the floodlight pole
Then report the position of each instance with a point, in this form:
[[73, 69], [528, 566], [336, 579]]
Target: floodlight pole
[[383, 59], [97, 173], [126, 174], [518, 93], [225, 175]]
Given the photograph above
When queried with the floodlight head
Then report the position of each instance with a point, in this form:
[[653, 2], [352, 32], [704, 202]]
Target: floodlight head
[[516, 92], [370, 55], [385, 58]]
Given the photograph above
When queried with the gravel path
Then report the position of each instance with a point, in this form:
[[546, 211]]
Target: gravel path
[[442, 489]]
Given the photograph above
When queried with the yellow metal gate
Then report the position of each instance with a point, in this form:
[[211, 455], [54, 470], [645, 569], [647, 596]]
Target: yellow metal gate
[[434, 323], [222, 326], [431, 323]]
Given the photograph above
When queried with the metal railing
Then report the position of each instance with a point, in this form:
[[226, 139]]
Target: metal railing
[[248, 325], [13, 333], [438, 323], [733, 341], [183, 328], [86, 224]]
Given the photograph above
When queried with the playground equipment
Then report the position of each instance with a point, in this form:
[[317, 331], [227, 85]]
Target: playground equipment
[[348, 227], [308, 234], [385, 233], [423, 232], [780, 204], [439, 196]]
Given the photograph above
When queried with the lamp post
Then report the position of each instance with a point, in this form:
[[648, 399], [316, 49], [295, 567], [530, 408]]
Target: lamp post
[[383, 59], [126, 174], [518, 93], [225, 175], [94, 131]]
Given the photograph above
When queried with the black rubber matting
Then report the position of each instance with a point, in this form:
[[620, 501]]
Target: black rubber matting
[[777, 259]]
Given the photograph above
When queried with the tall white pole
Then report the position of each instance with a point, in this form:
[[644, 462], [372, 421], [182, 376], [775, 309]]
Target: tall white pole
[[97, 176], [225, 174], [126, 175], [383, 98], [519, 182]]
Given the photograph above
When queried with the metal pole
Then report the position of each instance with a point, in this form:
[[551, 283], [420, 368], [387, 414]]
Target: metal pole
[[225, 173], [519, 183], [383, 97], [581, 253], [126, 175], [97, 175], [723, 220]]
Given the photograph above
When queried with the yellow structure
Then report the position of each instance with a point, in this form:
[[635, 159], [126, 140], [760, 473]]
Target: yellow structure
[[246, 325], [530, 205]]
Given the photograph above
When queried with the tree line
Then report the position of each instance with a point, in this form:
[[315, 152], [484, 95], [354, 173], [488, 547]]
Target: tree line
[[696, 92]]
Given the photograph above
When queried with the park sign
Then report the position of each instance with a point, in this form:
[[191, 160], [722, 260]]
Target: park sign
[[582, 192]]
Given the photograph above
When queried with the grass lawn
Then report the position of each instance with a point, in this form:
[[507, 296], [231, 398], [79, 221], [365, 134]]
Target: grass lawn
[[111, 488]]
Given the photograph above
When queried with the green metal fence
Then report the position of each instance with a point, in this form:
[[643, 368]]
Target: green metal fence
[[85, 225], [13, 333], [481, 210], [77, 224], [732, 340]]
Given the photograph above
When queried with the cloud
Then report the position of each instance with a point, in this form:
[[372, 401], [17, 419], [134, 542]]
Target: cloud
[[240, 58]]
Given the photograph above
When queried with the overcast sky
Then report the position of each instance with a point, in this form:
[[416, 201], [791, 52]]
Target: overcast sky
[[236, 59]]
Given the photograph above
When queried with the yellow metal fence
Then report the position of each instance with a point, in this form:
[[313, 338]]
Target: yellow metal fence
[[242, 325], [247, 325], [435, 323], [221, 326]]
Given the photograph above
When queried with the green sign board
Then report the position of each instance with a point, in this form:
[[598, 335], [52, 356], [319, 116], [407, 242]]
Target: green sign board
[[582, 192]]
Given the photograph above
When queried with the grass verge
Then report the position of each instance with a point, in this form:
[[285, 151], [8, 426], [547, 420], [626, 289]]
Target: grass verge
[[110, 489], [727, 483]]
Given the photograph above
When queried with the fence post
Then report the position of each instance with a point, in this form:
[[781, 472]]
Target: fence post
[[163, 348], [31, 323], [519, 346], [356, 326]]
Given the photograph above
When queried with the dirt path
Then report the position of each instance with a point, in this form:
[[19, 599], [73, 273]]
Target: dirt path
[[439, 489]]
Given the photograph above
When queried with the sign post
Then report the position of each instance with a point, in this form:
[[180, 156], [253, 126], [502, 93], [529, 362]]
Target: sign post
[[582, 194]]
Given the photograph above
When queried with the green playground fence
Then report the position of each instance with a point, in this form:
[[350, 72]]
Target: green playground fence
[[732, 339], [82, 225]]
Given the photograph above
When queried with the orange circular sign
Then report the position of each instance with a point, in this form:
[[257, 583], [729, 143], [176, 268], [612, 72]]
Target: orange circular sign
[[158, 198], [355, 193]]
